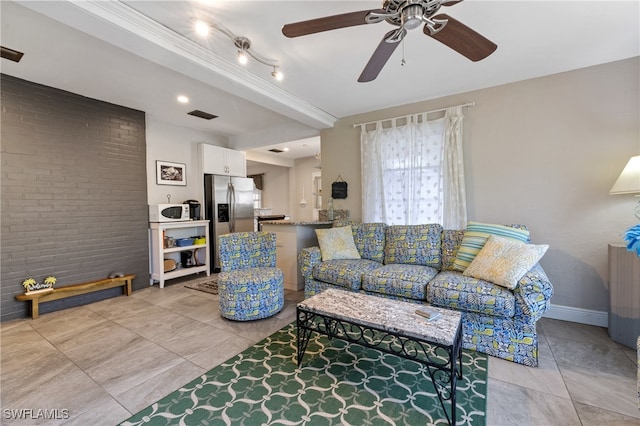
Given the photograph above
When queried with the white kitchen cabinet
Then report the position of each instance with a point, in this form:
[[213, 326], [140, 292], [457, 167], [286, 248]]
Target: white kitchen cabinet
[[158, 252], [217, 160]]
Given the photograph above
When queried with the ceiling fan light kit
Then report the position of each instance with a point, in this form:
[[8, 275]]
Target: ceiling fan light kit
[[406, 15]]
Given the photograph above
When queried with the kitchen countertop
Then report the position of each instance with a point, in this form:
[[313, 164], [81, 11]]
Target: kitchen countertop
[[297, 223]]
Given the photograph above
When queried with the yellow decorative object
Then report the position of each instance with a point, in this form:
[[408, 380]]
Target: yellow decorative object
[[28, 283], [32, 286]]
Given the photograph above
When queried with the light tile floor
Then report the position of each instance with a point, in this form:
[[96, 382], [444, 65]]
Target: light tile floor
[[100, 363]]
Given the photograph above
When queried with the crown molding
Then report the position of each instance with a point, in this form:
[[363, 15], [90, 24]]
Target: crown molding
[[243, 83]]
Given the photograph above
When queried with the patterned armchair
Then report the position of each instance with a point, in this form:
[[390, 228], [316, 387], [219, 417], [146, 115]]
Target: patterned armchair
[[249, 284]]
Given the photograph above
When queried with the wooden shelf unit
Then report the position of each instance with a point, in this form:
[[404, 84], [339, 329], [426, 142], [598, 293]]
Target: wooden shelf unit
[[624, 295]]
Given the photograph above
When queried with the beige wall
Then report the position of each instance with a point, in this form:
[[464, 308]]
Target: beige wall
[[176, 144], [302, 175], [542, 152], [275, 184]]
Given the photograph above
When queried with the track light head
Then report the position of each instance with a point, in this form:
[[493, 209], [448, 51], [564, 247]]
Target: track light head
[[277, 74], [242, 57]]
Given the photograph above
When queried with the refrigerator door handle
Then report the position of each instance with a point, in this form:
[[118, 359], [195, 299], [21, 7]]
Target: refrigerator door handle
[[232, 208]]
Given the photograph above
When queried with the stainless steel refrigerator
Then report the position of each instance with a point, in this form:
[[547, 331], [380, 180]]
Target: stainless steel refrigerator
[[228, 205]]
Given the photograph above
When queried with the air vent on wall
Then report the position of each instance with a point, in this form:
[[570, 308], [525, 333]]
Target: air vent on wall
[[276, 150], [202, 114], [12, 55]]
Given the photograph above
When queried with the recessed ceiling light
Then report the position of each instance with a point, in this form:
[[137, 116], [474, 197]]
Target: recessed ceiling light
[[202, 28], [285, 149], [183, 99]]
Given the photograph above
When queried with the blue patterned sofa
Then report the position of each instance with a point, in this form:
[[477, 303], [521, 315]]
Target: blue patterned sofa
[[415, 263]]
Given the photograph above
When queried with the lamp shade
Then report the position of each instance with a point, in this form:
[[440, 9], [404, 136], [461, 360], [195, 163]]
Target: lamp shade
[[629, 180]]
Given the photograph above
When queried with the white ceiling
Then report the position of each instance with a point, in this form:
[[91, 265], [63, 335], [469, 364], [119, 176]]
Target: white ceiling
[[142, 54]]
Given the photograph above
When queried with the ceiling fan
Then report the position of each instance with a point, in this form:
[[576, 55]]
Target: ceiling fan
[[406, 15]]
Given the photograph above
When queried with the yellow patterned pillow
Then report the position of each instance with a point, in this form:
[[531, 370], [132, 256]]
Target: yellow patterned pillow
[[337, 243], [503, 261]]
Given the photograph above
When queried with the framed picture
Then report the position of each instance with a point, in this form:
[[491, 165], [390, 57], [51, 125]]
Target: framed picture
[[171, 173]]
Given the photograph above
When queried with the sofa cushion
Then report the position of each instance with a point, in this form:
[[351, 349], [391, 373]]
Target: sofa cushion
[[503, 261], [451, 240], [414, 245], [370, 239], [337, 243], [475, 236], [451, 289], [408, 281], [344, 272]]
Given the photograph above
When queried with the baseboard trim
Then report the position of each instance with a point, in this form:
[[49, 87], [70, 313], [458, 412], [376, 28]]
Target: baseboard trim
[[583, 316]]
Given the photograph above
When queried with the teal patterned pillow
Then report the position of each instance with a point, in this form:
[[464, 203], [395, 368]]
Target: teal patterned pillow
[[337, 243], [475, 236]]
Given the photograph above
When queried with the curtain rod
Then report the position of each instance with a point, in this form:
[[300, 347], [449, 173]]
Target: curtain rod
[[468, 104]]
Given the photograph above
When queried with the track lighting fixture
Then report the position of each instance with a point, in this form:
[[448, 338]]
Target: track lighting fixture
[[243, 44]]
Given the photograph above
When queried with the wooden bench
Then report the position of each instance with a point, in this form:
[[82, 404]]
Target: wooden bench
[[75, 290]]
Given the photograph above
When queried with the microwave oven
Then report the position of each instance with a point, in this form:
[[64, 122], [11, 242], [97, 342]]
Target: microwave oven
[[168, 212]]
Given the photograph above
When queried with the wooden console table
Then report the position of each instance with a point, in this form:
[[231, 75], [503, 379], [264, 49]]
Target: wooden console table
[[75, 290], [624, 295]]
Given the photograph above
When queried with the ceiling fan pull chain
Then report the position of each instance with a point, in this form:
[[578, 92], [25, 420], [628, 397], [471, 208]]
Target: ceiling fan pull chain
[[403, 62]]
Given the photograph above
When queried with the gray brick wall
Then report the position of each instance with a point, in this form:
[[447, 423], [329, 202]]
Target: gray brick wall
[[74, 192]]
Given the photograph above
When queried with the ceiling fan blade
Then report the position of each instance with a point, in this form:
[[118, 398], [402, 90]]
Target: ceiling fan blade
[[449, 2], [381, 55], [328, 23], [461, 38]]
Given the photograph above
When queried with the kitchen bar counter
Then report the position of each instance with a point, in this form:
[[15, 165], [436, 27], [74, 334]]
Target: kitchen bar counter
[[321, 224], [291, 237]]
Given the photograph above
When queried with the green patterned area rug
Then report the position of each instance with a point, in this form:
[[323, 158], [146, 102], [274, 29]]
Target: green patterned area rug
[[338, 383]]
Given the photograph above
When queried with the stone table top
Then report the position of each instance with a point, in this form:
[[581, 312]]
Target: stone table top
[[391, 315]]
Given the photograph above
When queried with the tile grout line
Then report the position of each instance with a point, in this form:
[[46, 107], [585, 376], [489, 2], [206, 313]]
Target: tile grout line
[[59, 350]]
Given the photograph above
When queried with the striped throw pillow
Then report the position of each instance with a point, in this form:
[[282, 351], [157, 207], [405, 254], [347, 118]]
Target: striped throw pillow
[[476, 235]]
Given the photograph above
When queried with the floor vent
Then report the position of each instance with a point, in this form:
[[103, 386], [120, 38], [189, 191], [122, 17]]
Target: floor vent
[[202, 114]]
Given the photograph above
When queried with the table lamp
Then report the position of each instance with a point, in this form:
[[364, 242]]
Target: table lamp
[[629, 181]]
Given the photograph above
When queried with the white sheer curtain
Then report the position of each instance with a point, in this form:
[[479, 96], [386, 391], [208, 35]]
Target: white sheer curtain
[[403, 170], [455, 198]]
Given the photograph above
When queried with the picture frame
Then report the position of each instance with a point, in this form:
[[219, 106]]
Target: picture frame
[[168, 173]]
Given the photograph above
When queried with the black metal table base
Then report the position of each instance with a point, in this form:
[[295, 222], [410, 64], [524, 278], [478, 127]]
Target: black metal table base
[[444, 363]]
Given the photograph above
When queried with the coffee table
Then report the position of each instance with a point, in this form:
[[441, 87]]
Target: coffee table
[[390, 326]]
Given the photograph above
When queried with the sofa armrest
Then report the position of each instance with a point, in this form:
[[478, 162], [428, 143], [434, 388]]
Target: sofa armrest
[[307, 259], [533, 295]]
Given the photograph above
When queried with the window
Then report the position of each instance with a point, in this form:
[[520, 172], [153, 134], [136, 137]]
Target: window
[[412, 171]]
